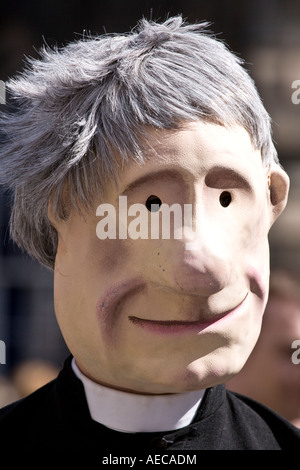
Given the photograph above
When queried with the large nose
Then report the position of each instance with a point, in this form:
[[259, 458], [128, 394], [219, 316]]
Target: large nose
[[199, 261], [201, 266]]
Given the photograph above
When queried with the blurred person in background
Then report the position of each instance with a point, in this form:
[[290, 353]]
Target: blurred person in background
[[270, 375], [25, 378], [31, 374], [8, 391]]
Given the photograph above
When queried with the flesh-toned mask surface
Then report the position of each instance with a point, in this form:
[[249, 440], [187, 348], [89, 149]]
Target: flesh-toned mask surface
[[166, 314]]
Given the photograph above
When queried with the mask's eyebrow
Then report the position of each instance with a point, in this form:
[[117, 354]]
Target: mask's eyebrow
[[223, 177], [166, 174]]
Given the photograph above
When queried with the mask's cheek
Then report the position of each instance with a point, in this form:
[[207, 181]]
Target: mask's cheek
[[85, 268], [251, 239], [227, 360]]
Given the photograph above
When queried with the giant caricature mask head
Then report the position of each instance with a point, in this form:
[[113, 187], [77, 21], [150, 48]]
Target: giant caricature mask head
[[155, 314]]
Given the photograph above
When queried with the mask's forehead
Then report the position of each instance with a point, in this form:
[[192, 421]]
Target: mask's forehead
[[184, 148]]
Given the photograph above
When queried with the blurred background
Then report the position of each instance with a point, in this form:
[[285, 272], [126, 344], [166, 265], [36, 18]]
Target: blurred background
[[266, 33]]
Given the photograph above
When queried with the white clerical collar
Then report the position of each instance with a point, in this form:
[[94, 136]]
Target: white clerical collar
[[130, 412]]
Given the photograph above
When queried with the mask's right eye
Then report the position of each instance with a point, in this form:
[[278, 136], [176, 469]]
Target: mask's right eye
[[153, 203], [225, 198]]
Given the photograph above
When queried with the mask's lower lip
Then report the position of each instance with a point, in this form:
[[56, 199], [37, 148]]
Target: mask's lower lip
[[177, 326]]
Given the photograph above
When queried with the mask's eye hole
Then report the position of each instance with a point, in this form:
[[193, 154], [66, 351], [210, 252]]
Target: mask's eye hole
[[225, 198], [153, 203]]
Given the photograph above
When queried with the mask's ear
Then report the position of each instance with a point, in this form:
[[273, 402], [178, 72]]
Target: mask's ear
[[279, 184]]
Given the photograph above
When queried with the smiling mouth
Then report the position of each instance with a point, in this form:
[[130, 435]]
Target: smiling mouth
[[177, 326], [109, 308]]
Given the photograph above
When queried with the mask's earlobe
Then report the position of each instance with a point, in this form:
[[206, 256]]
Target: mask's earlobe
[[279, 184]]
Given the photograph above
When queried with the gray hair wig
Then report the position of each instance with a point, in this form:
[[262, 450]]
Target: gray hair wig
[[82, 111]]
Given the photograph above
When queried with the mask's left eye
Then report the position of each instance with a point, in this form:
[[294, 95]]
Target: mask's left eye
[[153, 203]]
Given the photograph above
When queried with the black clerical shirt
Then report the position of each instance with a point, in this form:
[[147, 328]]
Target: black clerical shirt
[[56, 417]]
